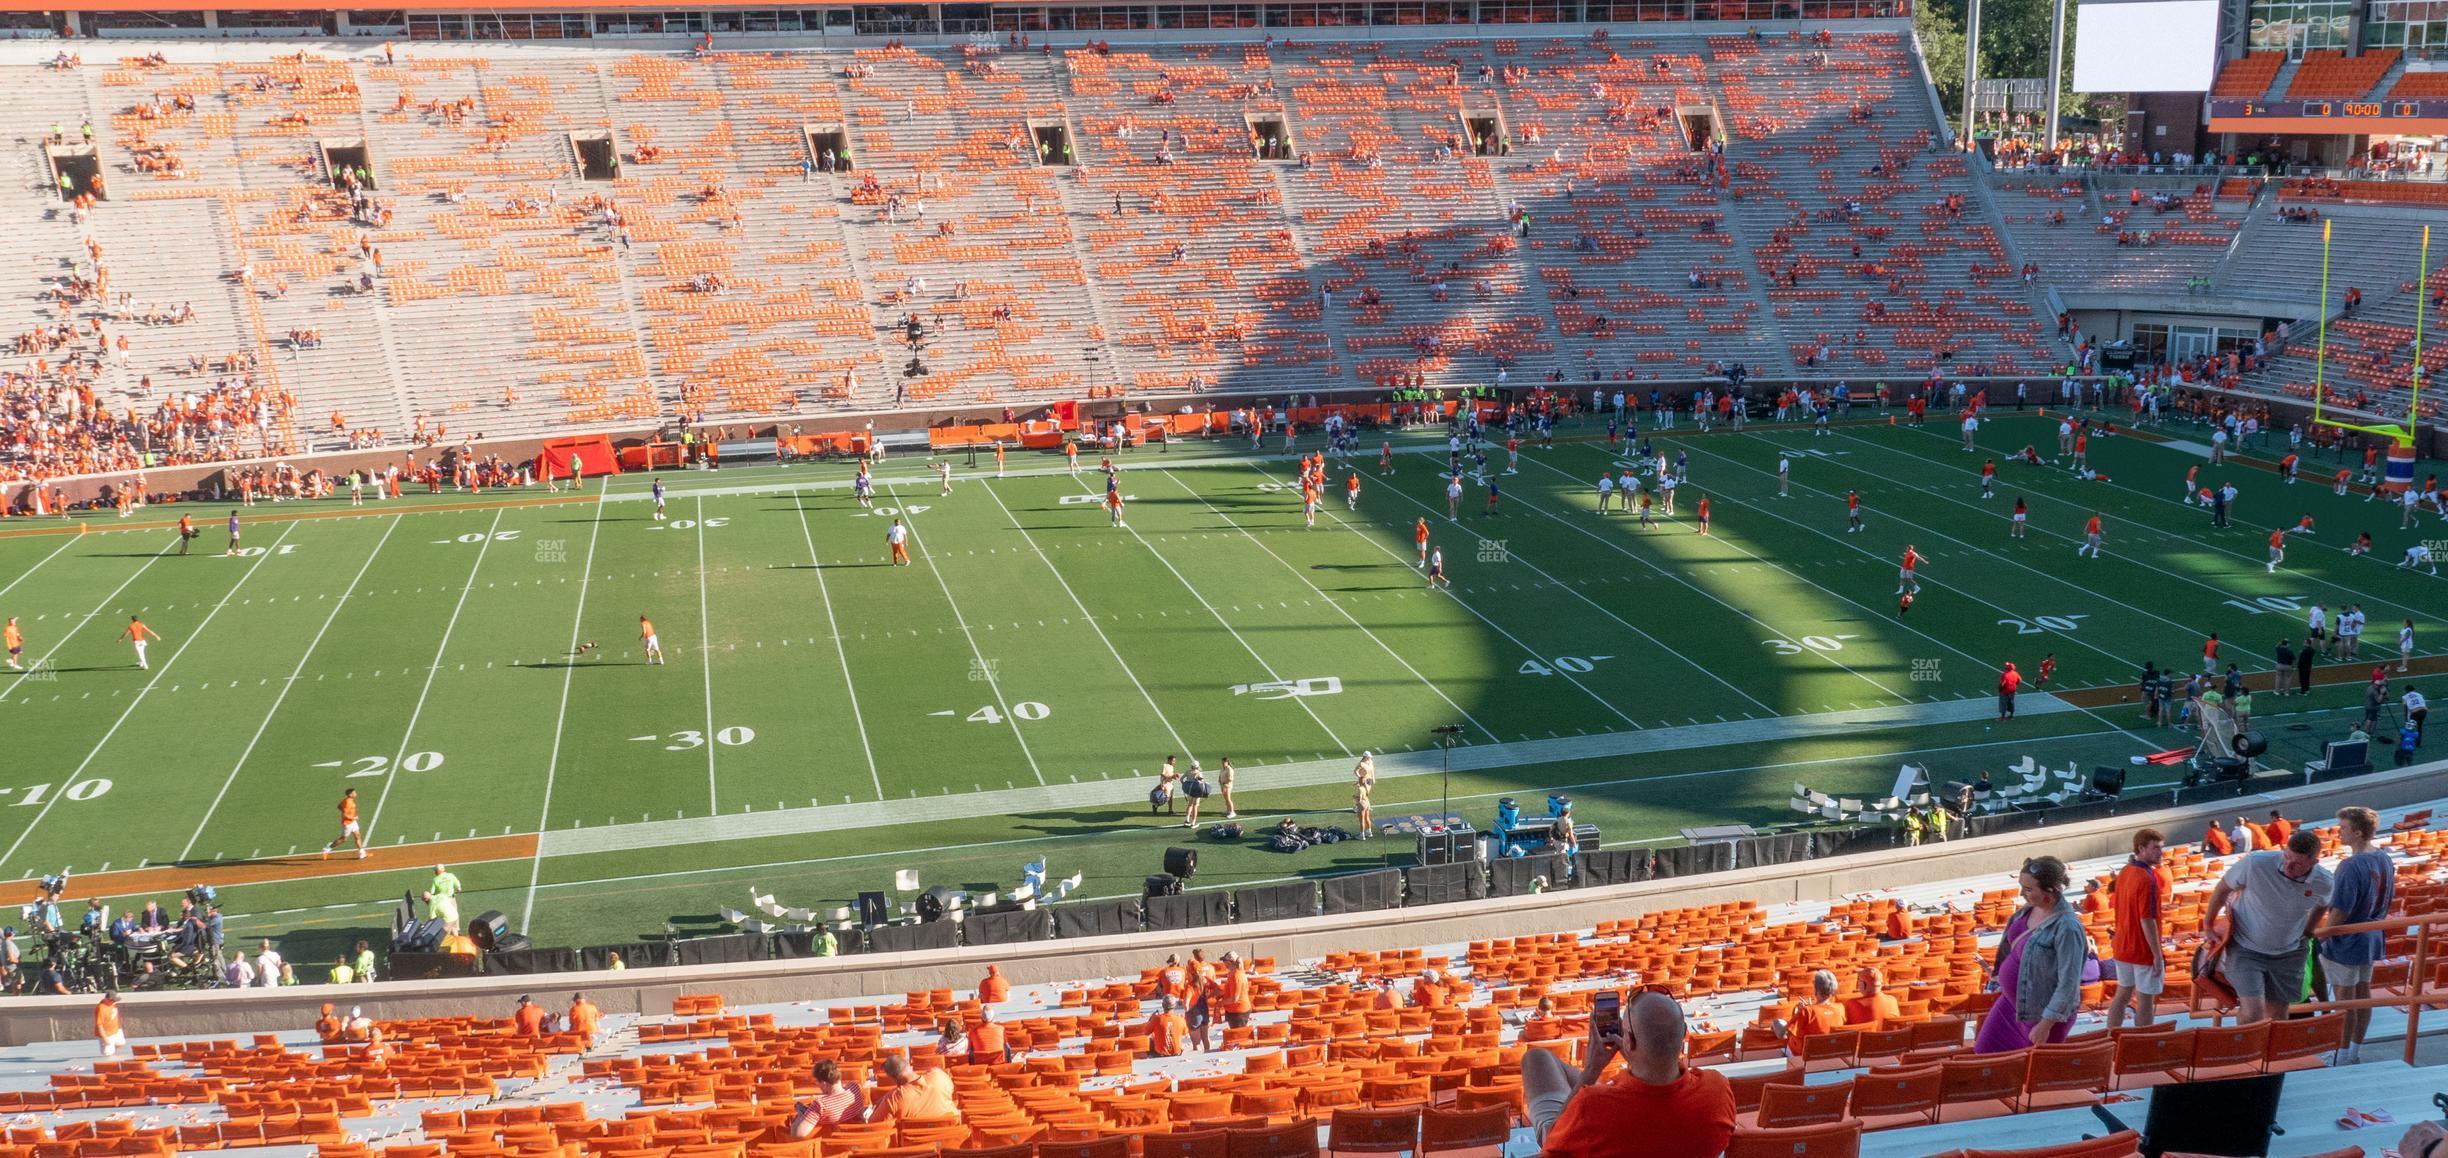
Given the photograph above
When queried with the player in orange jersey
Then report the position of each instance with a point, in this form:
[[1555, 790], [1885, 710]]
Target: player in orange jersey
[[15, 640], [649, 640], [349, 831], [137, 633], [1385, 459], [1853, 516], [1419, 537], [186, 533], [1906, 582], [2277, 549], [2091, 538], [2048, 668], [1309, 504], [1351, 492], [1703, 513]]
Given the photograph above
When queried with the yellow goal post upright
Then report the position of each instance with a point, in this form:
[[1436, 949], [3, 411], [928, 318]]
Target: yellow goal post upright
[[2399, 473]]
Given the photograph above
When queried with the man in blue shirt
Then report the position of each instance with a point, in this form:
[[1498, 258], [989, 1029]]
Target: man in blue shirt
[[2363, 888]]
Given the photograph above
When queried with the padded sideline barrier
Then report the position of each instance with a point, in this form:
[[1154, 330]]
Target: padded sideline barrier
[[532, 961], [1198, 910], [1097, 918], [635, 955], [721, 950], [1362, 892], [1614, 866], [1275, 902], [1439, 884], [912, 938], [1013, 927], [1511, 876]]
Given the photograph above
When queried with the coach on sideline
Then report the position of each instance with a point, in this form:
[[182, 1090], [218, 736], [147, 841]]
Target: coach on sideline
[[1655, 1108]]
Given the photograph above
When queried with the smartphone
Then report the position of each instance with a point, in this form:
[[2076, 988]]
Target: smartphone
[[1606, 1012]]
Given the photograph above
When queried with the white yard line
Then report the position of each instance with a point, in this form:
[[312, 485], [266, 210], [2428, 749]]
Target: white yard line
[[569, 672], [282, 696], [42, 661], [138, 701], [984, 668], [858, 719], [1764, 508], [1090, 618], [705, 639], [408, 734], [1627, 552], [65, 540], [1229, 629], [1337, 604], [1604, 610]]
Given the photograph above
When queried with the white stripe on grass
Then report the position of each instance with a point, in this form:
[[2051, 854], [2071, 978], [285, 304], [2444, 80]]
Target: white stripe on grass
[[44, 659], [1229, 629], [705, 638], [1603, 609], [984, 668], [858, 719], [408, 734], [1966, 592], [1670, 573], [552, 764], [138, 700], [294, 675], [1090, 618], [65, 540], [1337, 604]]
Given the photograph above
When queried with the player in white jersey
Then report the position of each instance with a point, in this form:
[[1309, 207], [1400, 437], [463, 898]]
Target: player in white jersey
[[658, 498], [2418, 557]]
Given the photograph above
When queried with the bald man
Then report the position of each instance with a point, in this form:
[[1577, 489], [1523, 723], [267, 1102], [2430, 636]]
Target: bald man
[[1654, 1108]]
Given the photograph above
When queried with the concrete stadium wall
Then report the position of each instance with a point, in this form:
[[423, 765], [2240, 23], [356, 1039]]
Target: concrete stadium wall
[[650, 991]]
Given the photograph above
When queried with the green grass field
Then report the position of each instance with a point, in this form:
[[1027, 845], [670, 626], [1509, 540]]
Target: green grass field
[[825, 718]]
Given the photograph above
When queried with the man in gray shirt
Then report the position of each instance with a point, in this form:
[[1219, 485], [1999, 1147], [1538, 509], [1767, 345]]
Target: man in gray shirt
[[2274, 898]]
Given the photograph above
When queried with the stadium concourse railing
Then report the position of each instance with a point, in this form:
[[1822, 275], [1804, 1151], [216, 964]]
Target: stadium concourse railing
[[2424, 978], [188, 477], [651, 991]]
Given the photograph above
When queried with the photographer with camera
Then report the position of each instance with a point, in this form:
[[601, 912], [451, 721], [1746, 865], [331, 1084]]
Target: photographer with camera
[[1655, 1108]]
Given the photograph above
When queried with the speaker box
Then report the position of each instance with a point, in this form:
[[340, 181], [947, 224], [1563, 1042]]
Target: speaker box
[[510, 943], [1162, 884], [2251, 744], [2107, 780], [1956, 797], [1181, 862], [2230, 768], [935, 902], [488, 929]]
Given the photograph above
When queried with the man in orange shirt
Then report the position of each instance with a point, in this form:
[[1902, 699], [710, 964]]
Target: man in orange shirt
[[1820, 1015], [106, 1025], [2135, 946], [584, 1018], [1655, 1108], [528, 1019], [992, 987], [915, 1096], [15, 641], [327, 1026], [2279, 828], [1168, 1035], [648, 640], [1872, 1006], [140, 635], [1428, 992], [1419, 536], [988, 1044], [2215, 840], [348, 827]]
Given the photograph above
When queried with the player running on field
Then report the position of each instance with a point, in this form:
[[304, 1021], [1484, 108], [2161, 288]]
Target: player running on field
[[649, 640], [233, 534], [1071, 451], [2405, 645], [1906, 581], [658, 498], [2091, 538], [349, 830], [1351, 492], [15, 639], [1113, 503], [138, 634], [2417, 557], [1853, 515], [1436, 569], [2277, 549], [1309, 503], [186, 533], [897, 538], [1989, 479], [2048, 668], [1419, 536], [1385, 458]]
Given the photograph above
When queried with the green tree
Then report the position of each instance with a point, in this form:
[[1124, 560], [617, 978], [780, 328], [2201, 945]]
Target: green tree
[[1939, 26]]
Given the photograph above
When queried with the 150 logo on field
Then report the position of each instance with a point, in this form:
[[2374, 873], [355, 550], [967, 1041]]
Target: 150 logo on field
[[1292, 689]]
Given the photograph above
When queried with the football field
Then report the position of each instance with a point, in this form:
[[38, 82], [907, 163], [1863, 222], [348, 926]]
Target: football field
[[825, 718]]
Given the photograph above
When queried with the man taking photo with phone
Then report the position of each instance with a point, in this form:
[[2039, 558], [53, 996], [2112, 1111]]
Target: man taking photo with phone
[[1653, 1108]]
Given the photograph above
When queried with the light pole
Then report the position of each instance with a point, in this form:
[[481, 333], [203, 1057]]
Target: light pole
[[1445, 735]]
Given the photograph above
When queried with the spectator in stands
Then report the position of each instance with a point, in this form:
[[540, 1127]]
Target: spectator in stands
[[2215, 840], [2039, 967], [2363, 888], [1871, 1006], [1168, 1035], [836, 1102], [1821, 1014], [2137, 941], [106, 1025], [585, 1019], [1229, 996], [2275, 898], [341, 973], [916, 1096], [327, 1025], [993, 988], [951, 1040], [988, 1044], [2279, 828], [2240, 836], [528, 1019], [1655, 1108]]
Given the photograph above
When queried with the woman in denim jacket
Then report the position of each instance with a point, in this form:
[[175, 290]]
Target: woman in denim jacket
[[2039, 968]]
